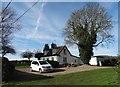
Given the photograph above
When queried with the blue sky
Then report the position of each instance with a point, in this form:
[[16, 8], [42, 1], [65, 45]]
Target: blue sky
[[45, 22]]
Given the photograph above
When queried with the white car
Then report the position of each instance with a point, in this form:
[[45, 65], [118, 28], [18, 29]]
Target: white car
[[41, 66]]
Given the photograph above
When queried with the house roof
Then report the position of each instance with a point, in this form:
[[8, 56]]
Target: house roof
[[57, 52], [59, 49]]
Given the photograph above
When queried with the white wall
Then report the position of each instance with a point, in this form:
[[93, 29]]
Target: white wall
[[96, 61], [93, 61], [70, 59], [78, 60], [60, 59], [50, 58]]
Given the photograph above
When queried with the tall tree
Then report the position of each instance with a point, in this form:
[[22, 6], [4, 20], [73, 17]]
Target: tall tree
[[88, 27], [7, 28], [27, 54]]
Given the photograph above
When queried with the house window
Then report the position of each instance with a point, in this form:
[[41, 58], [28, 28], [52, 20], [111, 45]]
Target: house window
[[64, 51], [35, 63], [43, 58], [47, 59], [75, 61], [64, 59], [52, 58]]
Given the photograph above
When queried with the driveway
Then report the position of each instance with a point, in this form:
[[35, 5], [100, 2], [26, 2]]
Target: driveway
[[64, 70]]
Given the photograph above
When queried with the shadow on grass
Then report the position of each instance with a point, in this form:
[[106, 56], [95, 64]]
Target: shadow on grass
[[24, 76]]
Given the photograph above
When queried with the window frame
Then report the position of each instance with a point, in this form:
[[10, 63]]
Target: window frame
[[64, 59]]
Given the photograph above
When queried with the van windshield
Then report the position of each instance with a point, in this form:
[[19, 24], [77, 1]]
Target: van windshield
[[43, 62]]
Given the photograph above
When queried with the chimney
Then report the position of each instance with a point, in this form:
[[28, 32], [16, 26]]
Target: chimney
[[53, 46], [46, 49]]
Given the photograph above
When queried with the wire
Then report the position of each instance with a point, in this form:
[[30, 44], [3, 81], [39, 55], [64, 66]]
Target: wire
[[7, 6], [26, 11]]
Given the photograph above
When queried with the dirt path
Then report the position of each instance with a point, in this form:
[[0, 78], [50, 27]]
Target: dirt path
[[64, 70]]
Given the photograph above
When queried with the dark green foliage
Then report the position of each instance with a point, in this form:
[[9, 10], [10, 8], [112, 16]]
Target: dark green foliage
[[46, 47], [38, 55], [7, 69], [54, 64], [109, 62], [53, 45], [85, 53]]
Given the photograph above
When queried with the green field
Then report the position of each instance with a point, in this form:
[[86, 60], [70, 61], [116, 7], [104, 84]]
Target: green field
[[24, 65], [94, 77]]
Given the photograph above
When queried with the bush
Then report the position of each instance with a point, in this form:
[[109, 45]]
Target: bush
[[7, 69], [69, 65], [54, 64], [66, 65], [109, 62]]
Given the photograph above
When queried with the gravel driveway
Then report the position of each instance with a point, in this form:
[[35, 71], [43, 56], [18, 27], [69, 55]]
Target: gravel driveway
[[64, 70]]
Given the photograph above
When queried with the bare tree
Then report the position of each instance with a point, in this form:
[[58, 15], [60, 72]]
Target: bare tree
[[8, 49], [7, 28], [27, 54], [88, 28]]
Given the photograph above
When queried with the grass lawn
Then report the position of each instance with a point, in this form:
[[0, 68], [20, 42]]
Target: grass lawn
[[24, 65], [94, 77]]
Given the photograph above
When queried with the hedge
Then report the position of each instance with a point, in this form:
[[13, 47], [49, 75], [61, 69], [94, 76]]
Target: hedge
[[7, 69]]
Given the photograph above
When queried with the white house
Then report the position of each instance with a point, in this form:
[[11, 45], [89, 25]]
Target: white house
[[96, 60], [60, 54]]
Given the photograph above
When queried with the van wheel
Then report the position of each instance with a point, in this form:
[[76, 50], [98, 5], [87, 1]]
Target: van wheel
[[40, 70], [31, 70]]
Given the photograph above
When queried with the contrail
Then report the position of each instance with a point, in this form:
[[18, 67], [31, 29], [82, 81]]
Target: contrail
[[40, 13], [38, 22]]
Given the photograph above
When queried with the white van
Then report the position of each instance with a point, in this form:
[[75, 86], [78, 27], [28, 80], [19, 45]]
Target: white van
[[41, 66]]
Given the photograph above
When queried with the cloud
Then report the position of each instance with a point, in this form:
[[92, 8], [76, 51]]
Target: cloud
[[43, 37], [23, 50]]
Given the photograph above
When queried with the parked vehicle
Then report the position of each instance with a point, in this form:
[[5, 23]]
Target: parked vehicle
[[41, 66]]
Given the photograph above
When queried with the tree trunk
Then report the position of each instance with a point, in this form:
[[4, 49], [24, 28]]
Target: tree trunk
[[3, 54], [29, 59], [85, 53]]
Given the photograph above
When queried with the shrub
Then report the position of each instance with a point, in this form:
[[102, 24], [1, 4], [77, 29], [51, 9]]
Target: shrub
[[7, 69], [54, 64], [109, 62]]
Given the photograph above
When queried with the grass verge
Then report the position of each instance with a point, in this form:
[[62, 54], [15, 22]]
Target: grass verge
[[94, 77]]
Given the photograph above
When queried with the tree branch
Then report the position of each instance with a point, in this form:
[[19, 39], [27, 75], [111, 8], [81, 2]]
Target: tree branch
[[99, 43]]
